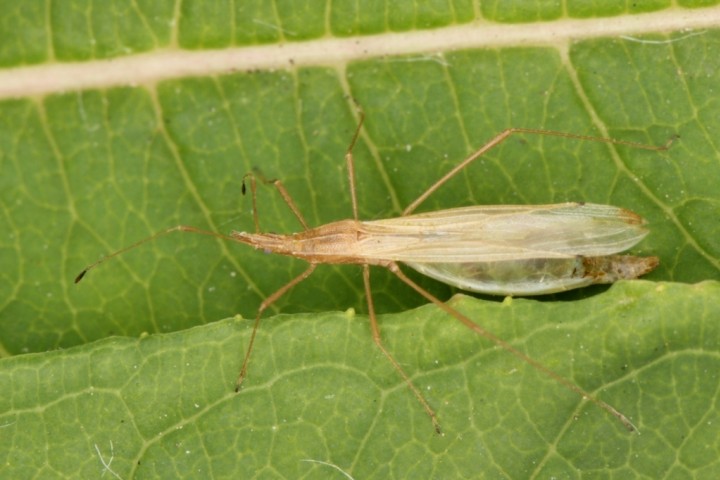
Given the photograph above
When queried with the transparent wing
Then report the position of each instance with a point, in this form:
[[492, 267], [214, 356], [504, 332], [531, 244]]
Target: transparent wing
[[504, 232]]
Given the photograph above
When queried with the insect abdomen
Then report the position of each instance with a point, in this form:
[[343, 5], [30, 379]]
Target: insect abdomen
[[538, 276]]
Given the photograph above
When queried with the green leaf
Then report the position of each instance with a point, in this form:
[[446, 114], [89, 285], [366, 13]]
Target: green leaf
[[90, 171], [319, 390]]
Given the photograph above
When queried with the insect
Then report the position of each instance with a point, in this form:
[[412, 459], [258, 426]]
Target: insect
[[500, 250]]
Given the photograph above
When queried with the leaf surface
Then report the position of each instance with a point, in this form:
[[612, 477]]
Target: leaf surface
[[147, 368]]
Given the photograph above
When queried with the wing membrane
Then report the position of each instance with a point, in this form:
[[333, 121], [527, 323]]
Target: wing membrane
[[504, 232]]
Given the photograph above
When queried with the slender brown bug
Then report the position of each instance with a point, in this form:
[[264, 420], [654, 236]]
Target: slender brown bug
[[500, 250]]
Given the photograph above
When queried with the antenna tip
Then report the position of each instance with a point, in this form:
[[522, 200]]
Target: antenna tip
[[80, 276]]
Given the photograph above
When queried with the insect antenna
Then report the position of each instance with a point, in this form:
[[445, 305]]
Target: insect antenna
[[162, 233]]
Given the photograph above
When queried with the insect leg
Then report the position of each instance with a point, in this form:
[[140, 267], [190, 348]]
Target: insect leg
[[393, 267], [283, 193], [253, 193], [376, 338], [350, 161], [502, 136], [288, 199], [264, 305]]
